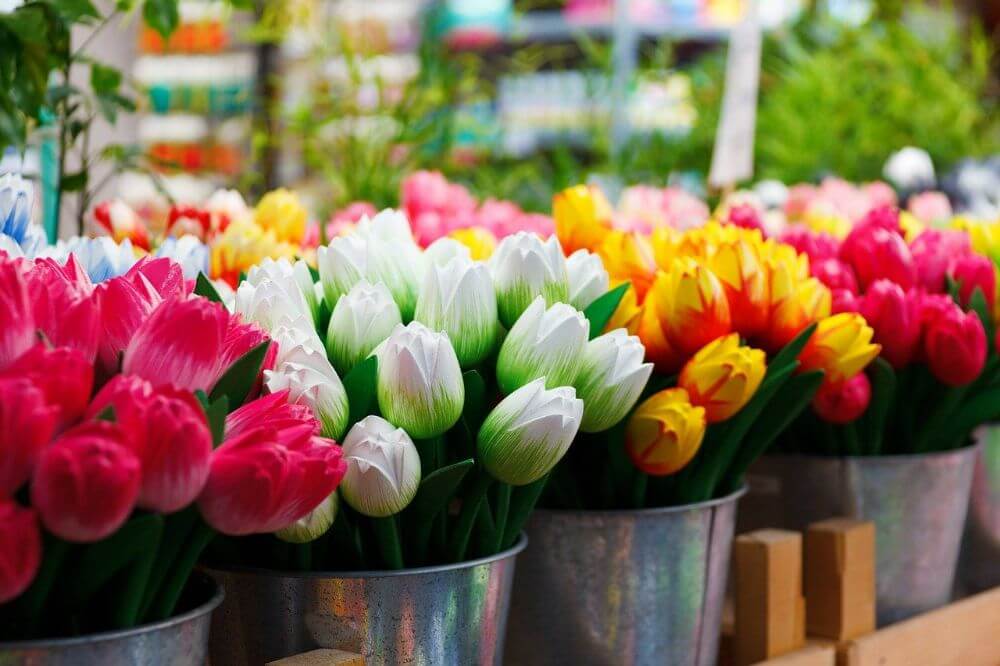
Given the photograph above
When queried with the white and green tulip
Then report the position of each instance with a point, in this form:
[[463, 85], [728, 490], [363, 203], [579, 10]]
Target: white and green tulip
[[313, 525], [383, 468], [611, 379], [290, 277], [349, 259], [271, 302], [544, 342], [361, 320], [458, 298], [530, 431], [420, 385], [445, 249], [588, 280], [306, 373], [524, 267]]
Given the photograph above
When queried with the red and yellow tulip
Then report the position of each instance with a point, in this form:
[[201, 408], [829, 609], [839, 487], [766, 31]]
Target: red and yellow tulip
[[665, 432], [723, 376], [691, 305], [582, 218], [841, 347]]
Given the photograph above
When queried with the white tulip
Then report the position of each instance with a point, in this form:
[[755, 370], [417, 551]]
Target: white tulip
[[530, 431], [295, 337], [388, 225], [524, 267], [445, 249], [291, 278], [271, 302], [362, 319], [349, 259], [588, 279], [458, 298], [226, 207], [543, 343], [611, 379], [313, 525], [316, 385], [420, 385], [189, 252], [383, 468]]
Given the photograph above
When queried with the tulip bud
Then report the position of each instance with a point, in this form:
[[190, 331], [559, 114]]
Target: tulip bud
[[817, 246], [740, 270], [545, 343], [64, 306], [458, 298], [444, 249], [124, 304], [840, 347], [723, 376], [20, 549], [588, 280], [524, 267], [895, 317], [665, 432], [628, 256], [971, 272], [280, 211], [835, 274], [582, 217], [64, 375], [17, 326], [481, 242], [844, 402], [86, 482], [658, 350], [294, 280], [420, 386], [27, 424], [692, 306], [383, 468], [955, 346], [933, 250], [795, 305], [270, 302], [313, 525], [316, 385], [875, 252], [529, 432], [611, 378], [361, 320], [350, 259]]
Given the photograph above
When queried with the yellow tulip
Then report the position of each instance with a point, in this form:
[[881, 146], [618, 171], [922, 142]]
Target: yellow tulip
[[691, 305], [911, 225], [841, 347], [723, 377], [738, 265], [481, 242], [279, 211], [659, 352], [825, 221], [629, 256], [665, 432], [582, 218], [806, 302], [628, 313], [665, 242], [243, 245]]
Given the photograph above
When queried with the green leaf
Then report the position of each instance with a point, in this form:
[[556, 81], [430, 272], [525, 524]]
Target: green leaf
[[76, 11], [361, 385], [978, 304], [237, 382], [437, 490], [204, 287], [475, 406], [599, 312], [104, 79], [74, 182], [790, 352], [522, 503], [102, 560], [983, 408], [161, 16], [107, 414], [215, 414], [883, 379]]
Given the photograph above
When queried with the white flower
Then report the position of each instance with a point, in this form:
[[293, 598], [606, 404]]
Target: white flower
[[361, 320], [349, 259], [588, 279], [445, 249], [271, 302], [383, 468], [543, 343], [611, 378], [530, 431], [290, 277], [16, 198], [313, 525], [910, 168], [420, 385], [458, 298], [524, 267], [388, 225], [315, 384], [189, 252], [226, 207]]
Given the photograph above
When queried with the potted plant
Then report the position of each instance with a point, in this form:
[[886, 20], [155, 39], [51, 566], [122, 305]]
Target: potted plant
[[631, 543], [118, 461], [453, 384]]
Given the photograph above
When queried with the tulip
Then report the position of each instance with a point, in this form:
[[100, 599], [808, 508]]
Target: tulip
[[723, 376], [842, 300], [745, 216], [738, 266], [610, 379], [817, 246], [64, 375], [16, 198], [792, 311], [543, 343], [165, 275], [240, 338], [102, 258], [628, 314], [588, 280], [17, 326], [481, 242], [265, 478], [27, 424], [665, 432], [420, 386], [316, 385], [349, 259], [295, 281], [124, 304], [582, 217], [835, 274], [444, 249], [933, 250], [225, 207], [895, 317], [243, 245], [279, 211], [361, 320], [190, 253], [529, 432], [121, 223], [20, 549], [64, 306], [186, 220], [271, 302], [658, 350], [313, 525], [525, 267], [629, 256], [272, 411], [383, 468], [840, 346], [458, 298], [955, 346], [844, 402], [875, 252], [86, 482], [971, 272], [691, 305]]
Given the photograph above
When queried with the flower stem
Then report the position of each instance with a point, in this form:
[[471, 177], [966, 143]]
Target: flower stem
[[181, 571], [387, 535], [503, 510], [467, 517]]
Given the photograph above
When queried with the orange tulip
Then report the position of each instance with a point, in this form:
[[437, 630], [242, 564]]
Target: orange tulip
[[723, 376], [629, 256], [582, 218], [658, 349], [841, 347], [691, 305], [807, 302], [665, 432], [738, 266]]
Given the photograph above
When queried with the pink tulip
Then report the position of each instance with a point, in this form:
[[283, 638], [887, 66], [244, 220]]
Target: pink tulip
[[64, 306], [684, 210], [896, 319], [167, 431], [27, 424], [955, 346], [971, 272], [273, 411], [265, 479], [20, 549], [17, 325], [86, 482], [800, 199], [843, 402], [428, 227], [930, 207], [125, 303], [745, 216], [933, 250], [874, 253], [880, 194], [64, 375], [842, 300], [817, 245], [424, 191], [835, 274], [165, 275]]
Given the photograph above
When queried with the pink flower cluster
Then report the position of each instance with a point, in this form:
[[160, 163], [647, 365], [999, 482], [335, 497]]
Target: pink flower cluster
[[643, 208], [838, 197], [98, 414]]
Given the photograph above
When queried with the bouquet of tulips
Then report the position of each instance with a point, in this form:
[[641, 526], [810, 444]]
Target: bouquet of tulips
[[931, 301], [741, 338], [131, 432], [456, 385]]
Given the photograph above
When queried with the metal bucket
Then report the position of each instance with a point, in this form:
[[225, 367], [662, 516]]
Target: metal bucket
[[179, 641], [979, 568], [443, 615], [623, 587], [917, 502]]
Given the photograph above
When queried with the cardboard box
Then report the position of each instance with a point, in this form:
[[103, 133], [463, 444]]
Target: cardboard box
[[768, 602], [321, 658], [839, 565]]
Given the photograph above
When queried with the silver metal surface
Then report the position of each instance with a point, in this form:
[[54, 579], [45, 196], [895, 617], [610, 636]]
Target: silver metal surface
[[179, 641], [447, 615], [622, 587], [980, 564], [917, 502]]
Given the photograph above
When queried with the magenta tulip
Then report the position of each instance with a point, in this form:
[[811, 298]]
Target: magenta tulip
[[27, 424], [65, 376], [895, 316], [876, 253], [20, 549], [843, 402], [955, 346], [971, 272], [64, 306], [17, 325], [933, 251], [818, 246], [272, 410], [835, 274], [125, 304]]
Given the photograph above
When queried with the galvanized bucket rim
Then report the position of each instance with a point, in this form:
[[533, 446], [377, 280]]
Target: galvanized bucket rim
[[51, 643], [650, 511], [958, 452], [521, 544]]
